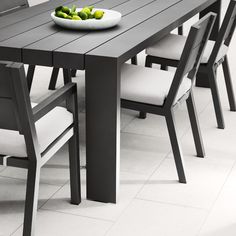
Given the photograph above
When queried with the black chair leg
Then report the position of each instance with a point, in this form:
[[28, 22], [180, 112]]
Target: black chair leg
[[216, 98], [74, 153], [164, 67], [229, 85], [175, 147], [73, 73], [31, 201], [53, 80], [180, 30], [67, 76], [74, 169], [142, 115], [148, 63], [30, 76], [195, 126], [134, 60]]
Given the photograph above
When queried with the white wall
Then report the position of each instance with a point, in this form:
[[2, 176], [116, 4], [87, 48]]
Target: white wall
[[35, 2]]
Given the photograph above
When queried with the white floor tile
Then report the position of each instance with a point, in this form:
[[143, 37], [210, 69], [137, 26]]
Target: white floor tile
[[205, 177], [152, 219], [12, 198], [59, 224], [129, 187], [142, 154], [221, 220]]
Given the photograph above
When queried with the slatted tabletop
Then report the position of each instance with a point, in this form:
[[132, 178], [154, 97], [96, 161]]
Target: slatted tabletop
[[30, 36]]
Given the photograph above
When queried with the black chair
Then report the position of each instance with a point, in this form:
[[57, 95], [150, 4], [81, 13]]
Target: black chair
[[168, 50], [29, 137], [159, 92]]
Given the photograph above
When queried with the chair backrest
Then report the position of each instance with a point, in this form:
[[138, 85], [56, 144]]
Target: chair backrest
[[9, 6], [15, 107], [226, 31], [191, 55]]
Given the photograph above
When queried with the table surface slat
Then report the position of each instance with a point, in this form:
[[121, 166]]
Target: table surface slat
[[35, 39], [125, 45]]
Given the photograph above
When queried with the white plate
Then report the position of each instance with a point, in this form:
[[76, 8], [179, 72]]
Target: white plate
[[110, 19]]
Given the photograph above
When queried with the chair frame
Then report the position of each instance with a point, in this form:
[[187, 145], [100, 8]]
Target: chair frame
[[224, 36], [16, 101], [189, 64]]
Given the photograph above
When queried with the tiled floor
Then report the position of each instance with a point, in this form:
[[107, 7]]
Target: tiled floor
[[151, 202]]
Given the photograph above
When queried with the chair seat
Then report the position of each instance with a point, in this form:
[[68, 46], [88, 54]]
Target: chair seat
[[147, 85], [48, 128], [171, 47]]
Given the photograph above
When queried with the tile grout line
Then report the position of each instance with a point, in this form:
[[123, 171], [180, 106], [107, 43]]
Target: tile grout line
[[54, 194], [172, 204], [82, 216], [25, 180]]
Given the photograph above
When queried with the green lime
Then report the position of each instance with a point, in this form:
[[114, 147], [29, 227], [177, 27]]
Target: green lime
[[98, 14], [65, 10], [76, 18], [83, 15], [69, 17], [58, 8], [61, 14], [86, 10], [90, 16], [73, 14]]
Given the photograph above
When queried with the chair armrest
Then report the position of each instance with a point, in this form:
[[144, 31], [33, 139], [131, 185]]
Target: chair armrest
[[54, 100]]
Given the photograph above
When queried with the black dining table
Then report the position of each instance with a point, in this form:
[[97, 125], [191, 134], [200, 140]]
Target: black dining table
[[30, 36]]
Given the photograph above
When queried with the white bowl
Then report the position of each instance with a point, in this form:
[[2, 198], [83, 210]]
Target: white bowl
[[110, 19]]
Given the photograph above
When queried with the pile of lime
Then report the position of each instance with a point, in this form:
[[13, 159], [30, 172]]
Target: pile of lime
[[85, 14]]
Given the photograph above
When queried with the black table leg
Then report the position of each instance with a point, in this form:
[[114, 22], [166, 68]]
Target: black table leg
[[102, 128], [201, 78]]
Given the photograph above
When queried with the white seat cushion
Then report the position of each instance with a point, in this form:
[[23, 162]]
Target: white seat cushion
[[147, 85], [171, 47], [48, 128]]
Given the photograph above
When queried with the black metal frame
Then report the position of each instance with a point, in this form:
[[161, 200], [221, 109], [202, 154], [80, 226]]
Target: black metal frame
[[18, 115], [188, 65], [209, 69]]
